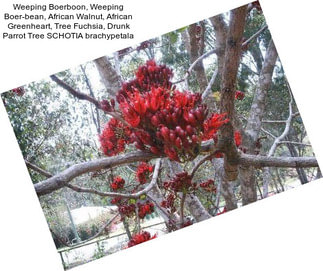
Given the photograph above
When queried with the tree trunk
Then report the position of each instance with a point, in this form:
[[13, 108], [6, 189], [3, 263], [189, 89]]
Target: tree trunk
[[109, 76], [300, 171], [194, 54], [248, 185]]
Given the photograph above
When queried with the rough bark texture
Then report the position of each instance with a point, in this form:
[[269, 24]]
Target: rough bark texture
[[251, 134], [195, 207], [220, 29], [229, 77], [109, 76], [194, 54], [300, 171]]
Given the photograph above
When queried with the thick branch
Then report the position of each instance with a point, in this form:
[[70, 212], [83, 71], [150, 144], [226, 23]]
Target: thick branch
[[121, 195], [109, 75], [60, 180], [264, 161], [229, 77]]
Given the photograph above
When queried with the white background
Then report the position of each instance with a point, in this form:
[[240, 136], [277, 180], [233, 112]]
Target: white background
[[280, 233]]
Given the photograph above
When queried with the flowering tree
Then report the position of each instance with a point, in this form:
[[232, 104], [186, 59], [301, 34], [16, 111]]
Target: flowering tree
[[168, 130]]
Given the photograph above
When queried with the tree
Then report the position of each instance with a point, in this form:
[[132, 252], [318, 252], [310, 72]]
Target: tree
[[179, 132]]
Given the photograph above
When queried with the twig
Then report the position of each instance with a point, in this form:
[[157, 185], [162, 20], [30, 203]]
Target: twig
[[254, 35], [209, 86], [189, 71], [86, 97], [202, 161], [295, 143], [38, 169]]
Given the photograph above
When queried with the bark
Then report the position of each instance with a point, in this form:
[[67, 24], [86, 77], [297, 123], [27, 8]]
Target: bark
[[194, 54], [195, 207], [253, 127], [229, 77], [220, 29], [300, 171], [109, 76], [96, 119], [60, 180], [228, 195], [287, 162], [63, 178]]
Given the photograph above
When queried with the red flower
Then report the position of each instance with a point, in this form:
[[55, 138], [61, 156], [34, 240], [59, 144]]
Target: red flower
[[239, 95], [114, 137], [140, 238], [118, 183], [171, 153], [237, 138], [212, 125], [208, 186], [145, 209], [129, 114], [127, 210], [182, 182], [116, 200], [19, 91], [143, 172]]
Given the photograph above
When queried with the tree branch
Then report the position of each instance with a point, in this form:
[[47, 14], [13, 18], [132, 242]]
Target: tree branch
[[38, 169], [83, 96], [189, 71], [60, 180], [122, 195], [264, 161], [254, 35]]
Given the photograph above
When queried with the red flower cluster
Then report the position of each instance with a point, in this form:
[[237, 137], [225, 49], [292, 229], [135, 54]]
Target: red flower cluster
[[107, 106], [127, 209], [147, 76], [212, 125], [145, 209], [161, 119], [114, 137], [182, 182], [118, 183], [168, 203], [239, 95], [19, 91], [140, 238], [116, 200], [208, 186], [143, 172]]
